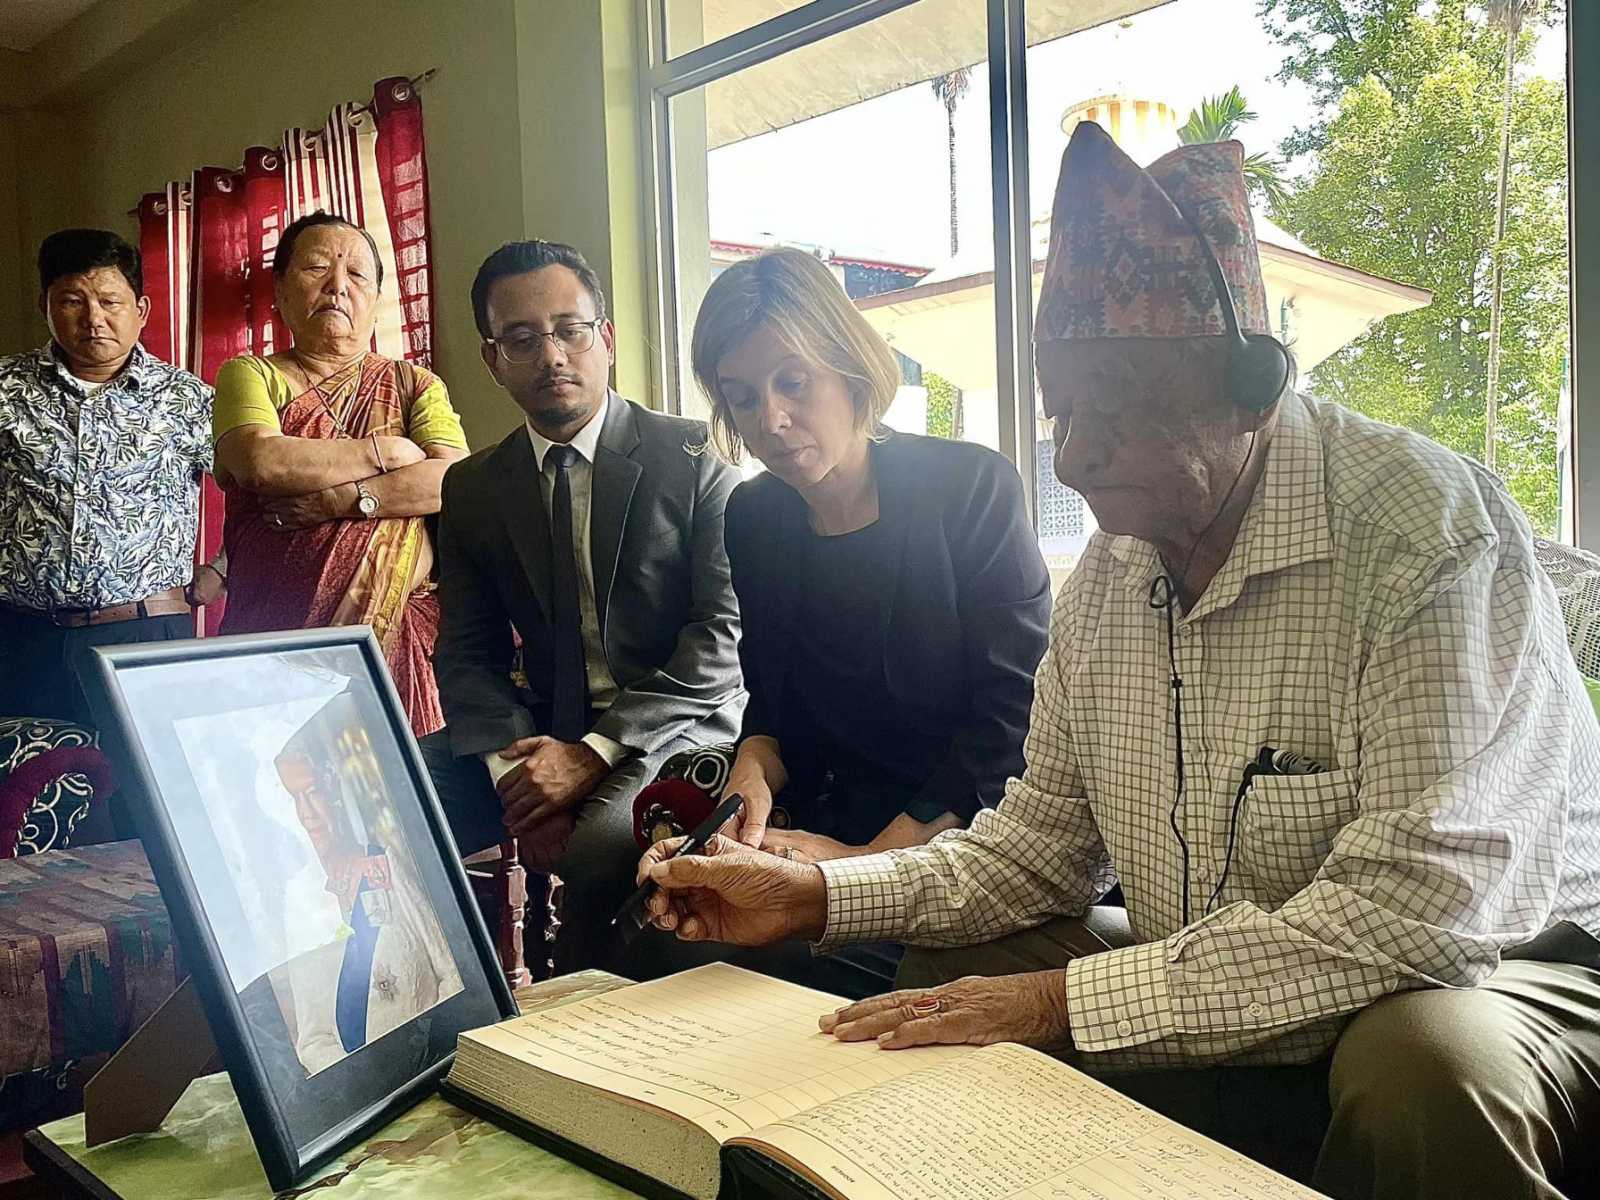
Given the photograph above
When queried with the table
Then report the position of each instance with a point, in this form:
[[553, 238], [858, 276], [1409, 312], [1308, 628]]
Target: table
[[433, 1152]]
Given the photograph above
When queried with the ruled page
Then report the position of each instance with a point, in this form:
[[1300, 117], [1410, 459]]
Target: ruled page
[[723, 1047], [1010, 1122]]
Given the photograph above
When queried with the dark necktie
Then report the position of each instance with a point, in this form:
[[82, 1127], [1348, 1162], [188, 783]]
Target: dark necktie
[[569, 692]]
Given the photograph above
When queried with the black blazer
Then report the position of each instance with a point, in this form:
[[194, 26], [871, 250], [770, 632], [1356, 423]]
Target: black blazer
[[965, 627], [668, 618]]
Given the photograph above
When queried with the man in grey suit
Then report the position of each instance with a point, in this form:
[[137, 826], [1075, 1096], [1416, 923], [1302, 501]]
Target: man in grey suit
[[595, 532]]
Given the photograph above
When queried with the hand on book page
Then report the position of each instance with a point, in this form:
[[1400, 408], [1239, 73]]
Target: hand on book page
[[734, 894], [1007, 1122], [1030, 1009]]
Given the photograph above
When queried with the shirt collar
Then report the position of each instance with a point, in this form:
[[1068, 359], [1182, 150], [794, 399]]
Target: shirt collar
[[136, 371], [586, 441], [1286, 524]]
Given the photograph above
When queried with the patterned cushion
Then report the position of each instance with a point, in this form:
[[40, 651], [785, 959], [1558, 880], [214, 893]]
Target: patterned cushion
[[45, 806], [1576, 574]]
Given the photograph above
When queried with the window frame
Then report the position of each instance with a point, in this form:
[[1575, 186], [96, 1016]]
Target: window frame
[[1583, 200], [664, 77]]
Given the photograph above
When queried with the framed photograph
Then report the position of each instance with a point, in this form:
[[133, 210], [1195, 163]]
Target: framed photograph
[[315, 891]]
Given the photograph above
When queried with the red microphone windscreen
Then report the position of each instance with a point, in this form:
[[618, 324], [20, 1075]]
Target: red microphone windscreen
[[674, 803]]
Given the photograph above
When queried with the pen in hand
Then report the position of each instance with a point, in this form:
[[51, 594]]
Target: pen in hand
[[633, 908]]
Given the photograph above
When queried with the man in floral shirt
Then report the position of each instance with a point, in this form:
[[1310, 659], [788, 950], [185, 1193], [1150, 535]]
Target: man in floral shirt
[[102, 452]]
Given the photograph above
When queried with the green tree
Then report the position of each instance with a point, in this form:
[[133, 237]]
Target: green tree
[[1400, 178], [950, 88], [944, 406], [1508, 15], [1219, 119]]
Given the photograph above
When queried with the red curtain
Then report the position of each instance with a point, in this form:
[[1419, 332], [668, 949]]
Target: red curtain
[[208, 245]]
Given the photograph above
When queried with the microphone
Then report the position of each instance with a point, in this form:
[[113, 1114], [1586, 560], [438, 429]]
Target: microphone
[[668, 808]]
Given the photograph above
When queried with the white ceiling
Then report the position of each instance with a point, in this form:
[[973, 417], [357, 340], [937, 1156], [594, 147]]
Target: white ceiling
[[26, 23]]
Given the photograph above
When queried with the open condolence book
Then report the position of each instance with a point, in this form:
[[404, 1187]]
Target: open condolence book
[[719, 1068]]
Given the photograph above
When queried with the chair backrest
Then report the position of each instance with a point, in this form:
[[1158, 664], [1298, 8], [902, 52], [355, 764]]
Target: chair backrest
[[1576, 575]]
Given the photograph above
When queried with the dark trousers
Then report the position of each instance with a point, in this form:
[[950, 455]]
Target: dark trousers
[[597, 866], [42, 666]]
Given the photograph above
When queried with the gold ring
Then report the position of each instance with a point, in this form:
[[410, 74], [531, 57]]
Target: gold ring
[[928, 1006]]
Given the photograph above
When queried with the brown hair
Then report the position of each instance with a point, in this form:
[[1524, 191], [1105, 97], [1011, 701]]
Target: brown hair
[[798, 298]]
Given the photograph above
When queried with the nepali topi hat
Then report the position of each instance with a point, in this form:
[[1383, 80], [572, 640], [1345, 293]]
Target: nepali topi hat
[[1124, 262]]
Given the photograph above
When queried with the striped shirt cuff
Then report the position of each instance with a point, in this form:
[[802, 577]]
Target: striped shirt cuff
[[1119, 998], [866, 901]]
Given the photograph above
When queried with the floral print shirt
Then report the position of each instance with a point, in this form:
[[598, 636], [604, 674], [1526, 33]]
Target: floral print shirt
[[99, 486]]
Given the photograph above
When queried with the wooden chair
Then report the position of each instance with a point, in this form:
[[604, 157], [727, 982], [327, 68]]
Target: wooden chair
[[502, 886]]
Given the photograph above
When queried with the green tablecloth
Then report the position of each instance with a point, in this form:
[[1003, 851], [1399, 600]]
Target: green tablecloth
[[435, 1151]]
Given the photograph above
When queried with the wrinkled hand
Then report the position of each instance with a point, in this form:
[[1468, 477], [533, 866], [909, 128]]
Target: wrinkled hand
[[288, 513], [806, 847], [205, 586], [976, 1011], [551, 777], [543, 845], [732, 893]]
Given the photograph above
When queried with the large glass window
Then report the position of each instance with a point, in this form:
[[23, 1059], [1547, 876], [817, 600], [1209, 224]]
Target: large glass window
[[1408, 161], [891, 190]]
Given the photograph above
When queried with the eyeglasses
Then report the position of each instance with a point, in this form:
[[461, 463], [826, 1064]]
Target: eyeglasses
[[525, 345]]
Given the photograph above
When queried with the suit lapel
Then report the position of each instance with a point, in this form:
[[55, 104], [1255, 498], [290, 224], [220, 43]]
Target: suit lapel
[[616, 475], [522, 508]]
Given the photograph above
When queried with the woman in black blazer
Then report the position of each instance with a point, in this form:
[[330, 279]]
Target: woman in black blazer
[[893, 601]]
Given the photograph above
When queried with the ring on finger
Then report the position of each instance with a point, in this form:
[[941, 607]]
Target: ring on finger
[[927, 1006]]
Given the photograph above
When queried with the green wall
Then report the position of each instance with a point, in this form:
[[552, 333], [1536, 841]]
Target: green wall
[[12, 326], [520, 142]]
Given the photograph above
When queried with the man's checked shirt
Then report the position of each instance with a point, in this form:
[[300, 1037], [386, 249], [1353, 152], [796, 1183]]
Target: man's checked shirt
[[99, 487], [1381, 613]]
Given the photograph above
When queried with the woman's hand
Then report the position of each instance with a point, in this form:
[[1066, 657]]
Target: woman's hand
[[732, 893], [805, 847], [756, 774], [1030, 1009], [750, 827], [289, 513]]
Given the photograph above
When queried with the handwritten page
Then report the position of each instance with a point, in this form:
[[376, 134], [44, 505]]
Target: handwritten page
[[722, 1047], [1010, 1122]]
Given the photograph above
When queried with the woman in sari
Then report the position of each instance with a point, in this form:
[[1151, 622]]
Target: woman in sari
[[330, 457]]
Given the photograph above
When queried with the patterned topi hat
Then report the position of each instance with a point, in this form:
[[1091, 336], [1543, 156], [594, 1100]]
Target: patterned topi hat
[[1124, 263]]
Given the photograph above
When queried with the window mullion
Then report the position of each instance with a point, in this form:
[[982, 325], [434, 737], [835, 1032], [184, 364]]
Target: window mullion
[[1013, 250]]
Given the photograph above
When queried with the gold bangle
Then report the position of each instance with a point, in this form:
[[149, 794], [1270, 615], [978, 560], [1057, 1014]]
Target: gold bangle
[[377, 454]]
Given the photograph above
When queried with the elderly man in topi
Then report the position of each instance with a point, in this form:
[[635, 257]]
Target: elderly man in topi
[[1308, 698]]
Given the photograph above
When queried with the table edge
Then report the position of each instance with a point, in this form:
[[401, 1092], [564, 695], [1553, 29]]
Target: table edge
[[55, 1165]]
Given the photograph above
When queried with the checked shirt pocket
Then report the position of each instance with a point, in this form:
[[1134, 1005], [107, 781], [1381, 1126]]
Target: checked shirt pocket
[[1287, 824]]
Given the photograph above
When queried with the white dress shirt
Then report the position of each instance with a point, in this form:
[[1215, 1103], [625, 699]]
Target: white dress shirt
[[1382, 613], [602, 686]]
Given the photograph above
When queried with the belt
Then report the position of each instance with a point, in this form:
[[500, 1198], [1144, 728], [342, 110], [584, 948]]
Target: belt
[[162, 604]]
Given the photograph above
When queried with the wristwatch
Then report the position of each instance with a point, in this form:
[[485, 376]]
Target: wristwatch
[[366, 502]]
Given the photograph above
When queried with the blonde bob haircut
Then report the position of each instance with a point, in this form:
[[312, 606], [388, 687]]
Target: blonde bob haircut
[[797, 297]]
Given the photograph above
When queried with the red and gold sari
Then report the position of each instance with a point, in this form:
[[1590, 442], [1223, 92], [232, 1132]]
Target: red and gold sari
[[347, 572]]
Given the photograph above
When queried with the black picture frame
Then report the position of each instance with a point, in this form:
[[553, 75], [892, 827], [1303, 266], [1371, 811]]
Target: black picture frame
[[298, 1116]]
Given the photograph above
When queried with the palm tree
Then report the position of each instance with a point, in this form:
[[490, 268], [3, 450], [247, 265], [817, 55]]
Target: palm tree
[[949, 88], [1510, 16], [1218, 119]]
